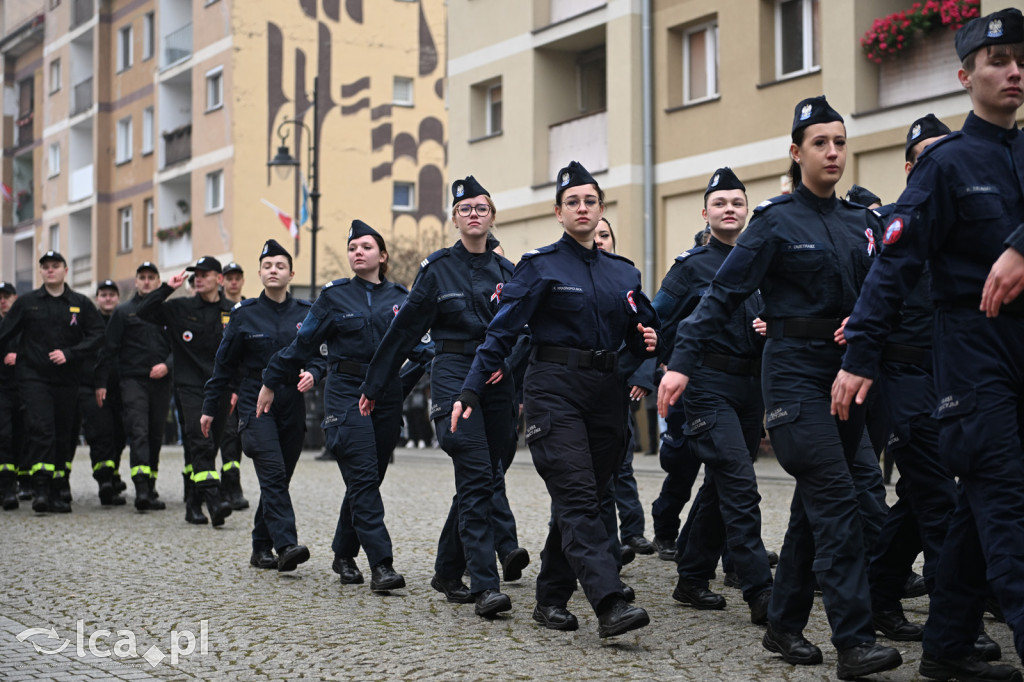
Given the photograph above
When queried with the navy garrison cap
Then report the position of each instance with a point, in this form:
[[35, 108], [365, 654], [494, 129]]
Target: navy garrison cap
[[208, 263], [8, 288], [272, 248], [361, 229], [863, 196], [814, 110], [999, 28], [924, 128], [467, 187], [573, 175], [723, 179]]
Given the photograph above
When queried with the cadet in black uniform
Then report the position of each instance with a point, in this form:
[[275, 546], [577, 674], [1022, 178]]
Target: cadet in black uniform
[[59, 329], [581, 304], [724, 412], [195, 325], [808, 252], [455, 296], [351, 316], [139, 353], [10, 413], [231, 445], [963, 211], [272, 438]]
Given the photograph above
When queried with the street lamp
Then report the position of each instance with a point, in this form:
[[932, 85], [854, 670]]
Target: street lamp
[[284, 162]]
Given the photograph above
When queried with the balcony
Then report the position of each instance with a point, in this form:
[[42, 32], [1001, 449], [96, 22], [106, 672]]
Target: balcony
[[24, 205], [178, 145], [178, 45], [81, 270], [584, 139], [80, 186], [566, 9], [81, 97], [24, 126], [82, 11], [175, 252]]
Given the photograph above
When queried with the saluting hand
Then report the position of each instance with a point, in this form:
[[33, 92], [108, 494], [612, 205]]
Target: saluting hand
[[1004, 283], [672, 386], [366, 405], [264, 401], [176, 281], [848, 387], [650, 336]]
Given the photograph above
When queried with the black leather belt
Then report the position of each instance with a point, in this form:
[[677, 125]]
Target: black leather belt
[[601, 360], [459, 347], [911, 355], [803, 328], [357, 369], [731, 364], [255, 374]]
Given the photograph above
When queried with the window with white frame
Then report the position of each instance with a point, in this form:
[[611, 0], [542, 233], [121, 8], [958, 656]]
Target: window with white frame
[[148, 36], [124, 221], [700, 63], [54, 158], [403, 196], [215, 88], [493, 109], [55, 75], [148, 209], [215, 191], [147, 131], [124, 140], [797, 37], [402, 93], [54, 238], [124, 48]]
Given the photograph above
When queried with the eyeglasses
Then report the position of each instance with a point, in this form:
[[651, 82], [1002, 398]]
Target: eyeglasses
[[572, 204], [481, 210]]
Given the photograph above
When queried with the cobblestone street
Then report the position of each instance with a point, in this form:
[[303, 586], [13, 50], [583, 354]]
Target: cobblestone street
[[107, 576]]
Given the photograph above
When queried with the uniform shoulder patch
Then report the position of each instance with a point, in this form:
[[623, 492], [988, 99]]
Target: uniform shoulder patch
[[938, 144], [550, 248], [241, 304], [618, 257], [690, 252], [337, 282], [774, 201], [440, 253]]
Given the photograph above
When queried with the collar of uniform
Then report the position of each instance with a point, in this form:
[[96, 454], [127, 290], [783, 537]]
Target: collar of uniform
[[41, 292], [975, 125], [266, 300], [716, 243], [368, 285], [823, 205], [579, 249], [472, 259]]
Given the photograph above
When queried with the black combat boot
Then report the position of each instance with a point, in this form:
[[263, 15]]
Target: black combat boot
[[217, 506], [40, 494], [9, 492]]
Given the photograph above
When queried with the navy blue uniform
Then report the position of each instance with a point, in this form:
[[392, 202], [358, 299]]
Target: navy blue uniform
[[581, 305], [352, 316], [809, 257], [259, 327], [101, 425], [723, 429], [11, 452], [963, 206], [455, 297]]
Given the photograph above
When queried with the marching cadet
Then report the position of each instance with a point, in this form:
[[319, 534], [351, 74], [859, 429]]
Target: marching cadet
[[807, 252], [231, 445], [59, 330], [137, 356], [195, 325], [581, 304], [10, 414], [259, 327], [963, 212]]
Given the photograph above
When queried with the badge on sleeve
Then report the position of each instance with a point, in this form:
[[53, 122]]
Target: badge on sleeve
[[629, 299], [496, 296], [893, 231]]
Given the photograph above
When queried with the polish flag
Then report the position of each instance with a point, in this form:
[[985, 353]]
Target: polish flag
[[288, 222], [8, 193]]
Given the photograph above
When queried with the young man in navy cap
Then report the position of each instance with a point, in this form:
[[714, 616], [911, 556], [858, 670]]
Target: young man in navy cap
[[231, 445], [195, 325], [963, 212], [59, 329]]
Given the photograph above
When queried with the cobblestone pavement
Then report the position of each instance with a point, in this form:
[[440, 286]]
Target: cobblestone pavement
[[189, 601]]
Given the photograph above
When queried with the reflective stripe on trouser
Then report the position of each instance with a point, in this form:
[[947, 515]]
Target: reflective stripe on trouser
[[106, 464], [142, 470]]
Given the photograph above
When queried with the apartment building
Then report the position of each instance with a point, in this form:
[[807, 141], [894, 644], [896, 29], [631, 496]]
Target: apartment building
[[536, 83], [141, 130]]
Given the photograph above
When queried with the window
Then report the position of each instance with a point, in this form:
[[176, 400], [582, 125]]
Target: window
[[215, 88], [150, 222], [494, 109], [590, 71], [148, 35], [124, 48], [215, 191], [54, 238], [700, 63], [54, 159], [55, 75], [402, 91], [403, 197], [124, 216], [797, 47], [147, 131], [124, 140]]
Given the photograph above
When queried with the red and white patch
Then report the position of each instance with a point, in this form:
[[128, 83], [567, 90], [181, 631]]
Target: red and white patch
[[395, 309], [298, 325], [496, 296], [629, 299], [893, 232], [871, 241], [186, 336]]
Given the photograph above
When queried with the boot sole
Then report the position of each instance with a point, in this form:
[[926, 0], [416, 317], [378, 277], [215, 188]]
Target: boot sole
[[451, 596], [563, 626], [638, 621], [938, 671], [683, 599], [492, 611], [853, 673], [395, 584]]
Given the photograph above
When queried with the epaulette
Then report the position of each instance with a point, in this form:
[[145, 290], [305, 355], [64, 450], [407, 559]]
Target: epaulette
[[440, 253], [334, 283], [550, 248], [690, 252], [505, 263], [781, 199], [617, 257], [245, 302], [930, 149]]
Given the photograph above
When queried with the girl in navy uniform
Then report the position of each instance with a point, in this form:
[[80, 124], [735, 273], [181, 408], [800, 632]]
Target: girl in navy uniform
[[351, 316], [581, 304], [808, 252]]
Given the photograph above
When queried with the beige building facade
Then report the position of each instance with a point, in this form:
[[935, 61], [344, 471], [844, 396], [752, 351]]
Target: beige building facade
[[549, 81], [141, 130]]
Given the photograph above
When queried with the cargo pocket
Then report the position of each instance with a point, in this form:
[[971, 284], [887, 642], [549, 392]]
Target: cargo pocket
[[960, 436], [538, 428], [789, 450], [441, 416]]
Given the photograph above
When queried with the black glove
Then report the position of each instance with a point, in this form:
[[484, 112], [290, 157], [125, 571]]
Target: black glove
[[469, 399]]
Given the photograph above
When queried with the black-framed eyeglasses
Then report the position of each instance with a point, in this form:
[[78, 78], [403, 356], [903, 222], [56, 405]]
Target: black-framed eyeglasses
[[572, 204], [481, 210]]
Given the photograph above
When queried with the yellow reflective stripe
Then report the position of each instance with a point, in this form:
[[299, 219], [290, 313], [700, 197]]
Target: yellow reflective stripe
[[187, 470], [141, 469], [201, 476], [108, 464], [7, 467], [59, 474], [40, 467], [228, 466]]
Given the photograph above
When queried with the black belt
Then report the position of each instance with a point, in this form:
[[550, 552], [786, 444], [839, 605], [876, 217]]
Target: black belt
[[911, 355], [255, 374], [601, 360], [357, 369], [803, 328], [731, 364], [459, 347]]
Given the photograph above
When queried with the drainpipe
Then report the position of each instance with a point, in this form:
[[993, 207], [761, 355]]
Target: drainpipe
[[647, 116]]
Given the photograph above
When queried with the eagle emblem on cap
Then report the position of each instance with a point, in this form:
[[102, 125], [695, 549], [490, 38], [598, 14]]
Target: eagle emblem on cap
[[995, 28], [459, 190], [915, 132], [266, 247], [805, 113], [350, 231], [714, 180], [565, 178]]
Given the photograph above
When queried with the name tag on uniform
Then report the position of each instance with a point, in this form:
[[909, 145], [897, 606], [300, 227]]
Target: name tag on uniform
[[807, 246], [225, 318], [566, 289]]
